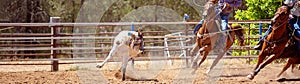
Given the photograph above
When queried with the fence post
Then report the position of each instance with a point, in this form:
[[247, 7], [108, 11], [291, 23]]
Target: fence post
[[186, 18], [260, 31], [248, 42], [54, 32], [132, 27]]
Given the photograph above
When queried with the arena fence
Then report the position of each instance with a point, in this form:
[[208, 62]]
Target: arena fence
[[56, 47]]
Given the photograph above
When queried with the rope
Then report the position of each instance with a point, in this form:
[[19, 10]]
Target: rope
[[275, 28], [6, 28], [222, 31], [270, 42], [196, 3], [213, 18]]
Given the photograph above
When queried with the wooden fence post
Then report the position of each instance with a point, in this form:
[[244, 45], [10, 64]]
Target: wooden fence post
[[186, 31], [54, 32]]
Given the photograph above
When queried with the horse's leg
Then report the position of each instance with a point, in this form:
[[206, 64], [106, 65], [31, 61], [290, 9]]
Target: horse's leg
[[100, 65], [206, 50], [287, 65], [195, 60], [195, 48], [261, 66], [220, 55], [132, 63], [124, 65], [293, 66], [262, 56]]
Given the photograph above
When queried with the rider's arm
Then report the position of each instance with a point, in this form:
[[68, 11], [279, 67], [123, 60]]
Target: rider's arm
[[289, 3], [295, 11], [236, 3]]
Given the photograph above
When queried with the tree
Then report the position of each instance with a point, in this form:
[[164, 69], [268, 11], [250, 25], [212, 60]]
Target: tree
[[258, 9]]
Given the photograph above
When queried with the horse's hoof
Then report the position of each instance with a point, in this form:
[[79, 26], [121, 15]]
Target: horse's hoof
[[194, 65], [278, 75], [99, 65], [207, 72], [250, 76]]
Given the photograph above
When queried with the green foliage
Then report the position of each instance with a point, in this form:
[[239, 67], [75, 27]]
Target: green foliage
[[66, 9], [123, 7], [258, 9]]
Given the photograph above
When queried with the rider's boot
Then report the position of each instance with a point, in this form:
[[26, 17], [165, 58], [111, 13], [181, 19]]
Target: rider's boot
[[198, 26], [259, 45]]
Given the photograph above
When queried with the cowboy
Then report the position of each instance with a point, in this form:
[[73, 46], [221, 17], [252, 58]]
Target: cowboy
[[224, 7], [294, 5]]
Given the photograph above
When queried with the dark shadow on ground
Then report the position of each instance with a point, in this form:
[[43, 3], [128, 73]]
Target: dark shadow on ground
[[285, 79], [155, 80], [234, 75]]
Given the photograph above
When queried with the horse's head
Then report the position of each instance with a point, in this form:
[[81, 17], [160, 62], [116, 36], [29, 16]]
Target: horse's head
[[209, 10], [137, 42], [281, 17], [210, 18]]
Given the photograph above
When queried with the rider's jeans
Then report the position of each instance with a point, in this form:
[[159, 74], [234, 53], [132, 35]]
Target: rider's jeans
[[224, 26], [224, 21], [295, 25]]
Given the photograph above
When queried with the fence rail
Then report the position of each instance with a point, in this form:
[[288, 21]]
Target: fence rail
[[57, 43]]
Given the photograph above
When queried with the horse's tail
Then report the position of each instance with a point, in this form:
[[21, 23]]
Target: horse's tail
[[239, 33]]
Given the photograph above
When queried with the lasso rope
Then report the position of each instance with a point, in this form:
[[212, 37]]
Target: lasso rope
[[6, 28]]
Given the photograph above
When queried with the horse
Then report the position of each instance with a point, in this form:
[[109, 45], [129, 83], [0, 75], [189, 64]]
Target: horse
[[291, 52], [275, 42], [206, 38], [129, 45]]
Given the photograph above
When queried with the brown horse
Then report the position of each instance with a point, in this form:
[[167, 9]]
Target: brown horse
[[129, 47], [291, 52], [275, 42], [205, 45], [208, 36]]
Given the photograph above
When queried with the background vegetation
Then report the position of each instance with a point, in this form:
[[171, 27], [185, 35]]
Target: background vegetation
[[31, 11]]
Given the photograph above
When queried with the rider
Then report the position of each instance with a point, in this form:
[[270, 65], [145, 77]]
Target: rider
[[224, 13], [295, 15]]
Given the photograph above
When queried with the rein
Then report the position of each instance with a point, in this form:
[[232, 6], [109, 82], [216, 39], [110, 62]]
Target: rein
[[274, 29], [277, 41]]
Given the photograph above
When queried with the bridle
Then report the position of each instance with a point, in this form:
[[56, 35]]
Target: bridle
[[276, 24]]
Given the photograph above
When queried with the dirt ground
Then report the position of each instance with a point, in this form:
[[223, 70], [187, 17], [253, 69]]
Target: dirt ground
[[230, 71]]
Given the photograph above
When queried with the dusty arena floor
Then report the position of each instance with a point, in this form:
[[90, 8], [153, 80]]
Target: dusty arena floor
[[228, 72]]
